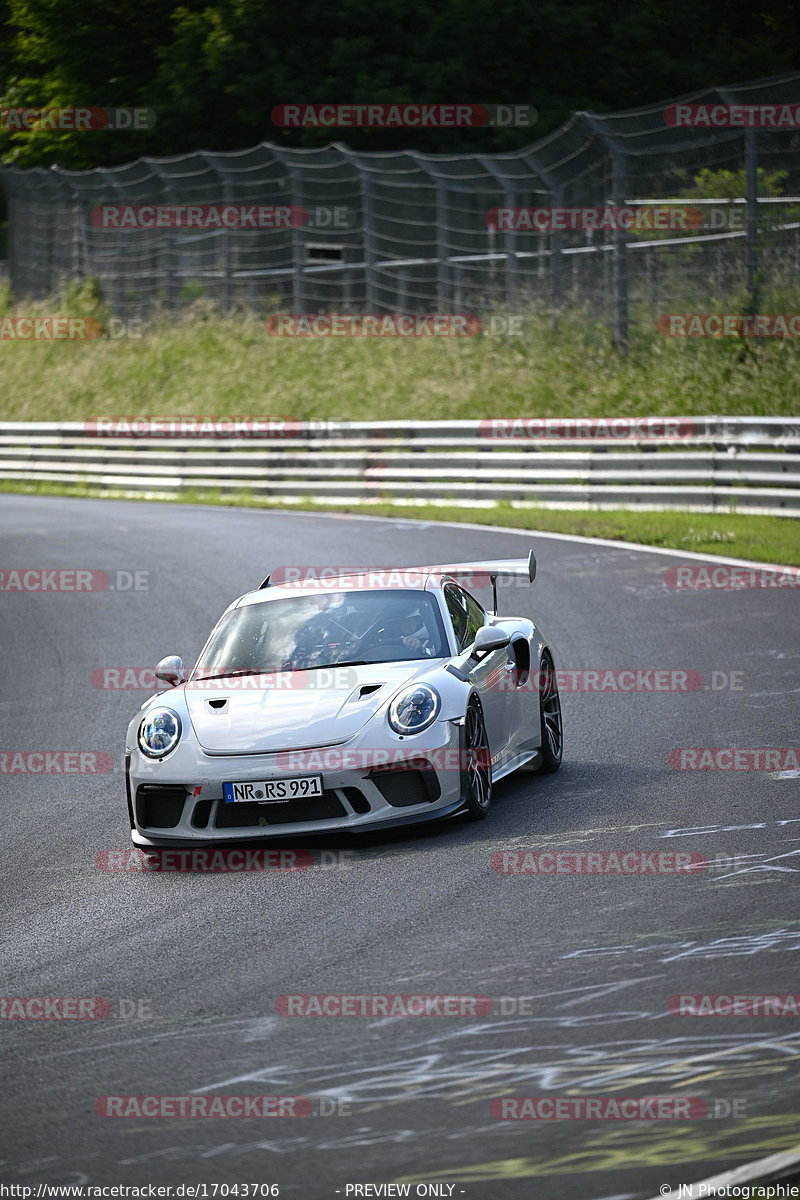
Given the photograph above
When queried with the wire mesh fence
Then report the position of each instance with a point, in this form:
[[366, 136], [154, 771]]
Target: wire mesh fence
[[715, 197]]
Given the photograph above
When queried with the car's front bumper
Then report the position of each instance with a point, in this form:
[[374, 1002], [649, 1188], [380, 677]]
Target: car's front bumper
[[180, 800]]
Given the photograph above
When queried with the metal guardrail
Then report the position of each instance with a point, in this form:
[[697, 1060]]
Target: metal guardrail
[[715, 464]]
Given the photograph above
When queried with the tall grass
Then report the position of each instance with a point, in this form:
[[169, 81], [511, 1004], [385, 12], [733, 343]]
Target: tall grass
[[208, 364]]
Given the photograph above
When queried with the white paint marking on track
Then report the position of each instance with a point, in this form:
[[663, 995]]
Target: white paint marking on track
[[759, 1170]]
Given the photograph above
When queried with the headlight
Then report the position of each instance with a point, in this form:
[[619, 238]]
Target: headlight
[[414, 709], [159, 732]]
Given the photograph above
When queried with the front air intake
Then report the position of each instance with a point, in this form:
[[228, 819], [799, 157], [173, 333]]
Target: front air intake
[[403, 787], [159, 807]]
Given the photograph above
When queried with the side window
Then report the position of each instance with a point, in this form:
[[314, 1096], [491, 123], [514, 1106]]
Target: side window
[[458, 613], [466, 614], [476, 615]]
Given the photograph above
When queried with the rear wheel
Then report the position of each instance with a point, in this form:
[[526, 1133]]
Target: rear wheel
[[478, 769], [550, 717]]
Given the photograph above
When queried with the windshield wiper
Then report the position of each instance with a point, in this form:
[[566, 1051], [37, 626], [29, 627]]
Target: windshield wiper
[[352, 662], [229, 675], [362, 662]]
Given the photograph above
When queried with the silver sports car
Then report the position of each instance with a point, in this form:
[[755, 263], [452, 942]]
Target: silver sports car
[[362, 701]]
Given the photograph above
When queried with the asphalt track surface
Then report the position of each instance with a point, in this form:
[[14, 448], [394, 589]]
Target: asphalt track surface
[[596, 956]]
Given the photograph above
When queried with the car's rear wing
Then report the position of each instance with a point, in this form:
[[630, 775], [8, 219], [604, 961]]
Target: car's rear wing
[[468, 574], [479, 574]]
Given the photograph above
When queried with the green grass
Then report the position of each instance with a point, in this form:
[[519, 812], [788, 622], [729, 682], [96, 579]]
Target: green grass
[[762, 539], [208, 365]]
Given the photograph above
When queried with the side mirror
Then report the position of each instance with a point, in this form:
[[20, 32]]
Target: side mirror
[[489, 638], [170, 670]]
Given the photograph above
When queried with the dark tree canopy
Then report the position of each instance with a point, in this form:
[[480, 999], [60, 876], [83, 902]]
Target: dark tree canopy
[[214, 72]]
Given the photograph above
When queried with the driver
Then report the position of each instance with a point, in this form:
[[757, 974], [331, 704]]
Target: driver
[[414, 633]]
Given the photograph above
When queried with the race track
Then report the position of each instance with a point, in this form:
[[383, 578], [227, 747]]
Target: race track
[[594, 957]]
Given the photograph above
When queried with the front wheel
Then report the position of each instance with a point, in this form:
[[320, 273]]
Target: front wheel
[[551, 724], [478, 766]]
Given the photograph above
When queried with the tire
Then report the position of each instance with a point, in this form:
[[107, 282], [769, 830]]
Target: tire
[[478, 769], [550, 721]]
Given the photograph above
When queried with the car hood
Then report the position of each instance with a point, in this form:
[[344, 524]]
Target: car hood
[[298, 711]]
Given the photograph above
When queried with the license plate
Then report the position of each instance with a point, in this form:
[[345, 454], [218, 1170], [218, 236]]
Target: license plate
[[264, 791]]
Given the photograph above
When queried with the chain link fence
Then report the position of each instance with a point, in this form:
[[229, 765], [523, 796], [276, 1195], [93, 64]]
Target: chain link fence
[[408, 232]]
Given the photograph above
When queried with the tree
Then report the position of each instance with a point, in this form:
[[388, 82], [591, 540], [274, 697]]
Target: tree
[[214, 72]]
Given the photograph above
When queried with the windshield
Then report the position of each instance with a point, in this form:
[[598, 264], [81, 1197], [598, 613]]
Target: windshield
[[324, 630]]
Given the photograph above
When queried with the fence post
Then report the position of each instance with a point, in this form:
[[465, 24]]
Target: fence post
[[556, 262], [229, 197], [370, 274], [620, 253], [298, 280], [512, 264], [227, 244], [751, 219], [619, 249], [442, 265], [298, 243], [170, 254]]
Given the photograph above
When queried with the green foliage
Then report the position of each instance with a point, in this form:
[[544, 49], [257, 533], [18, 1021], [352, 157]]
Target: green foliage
[[727, 185], [214, 71]]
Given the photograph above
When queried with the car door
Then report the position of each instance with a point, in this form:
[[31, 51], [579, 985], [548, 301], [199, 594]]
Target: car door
[[492, 676]]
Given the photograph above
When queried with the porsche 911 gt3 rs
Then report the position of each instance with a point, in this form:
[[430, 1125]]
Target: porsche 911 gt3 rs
[[350, 703]]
